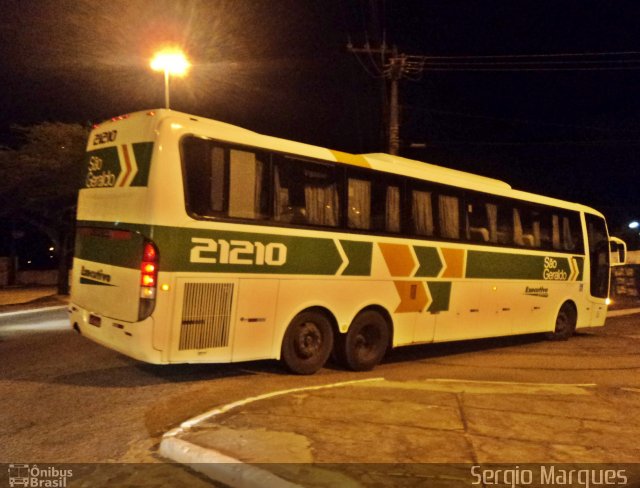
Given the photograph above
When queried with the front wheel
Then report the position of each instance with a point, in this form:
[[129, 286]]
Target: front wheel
[[565, 323], [365, 343], [307, 342]]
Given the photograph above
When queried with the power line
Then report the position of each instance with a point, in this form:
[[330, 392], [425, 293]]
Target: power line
[[395, 66]]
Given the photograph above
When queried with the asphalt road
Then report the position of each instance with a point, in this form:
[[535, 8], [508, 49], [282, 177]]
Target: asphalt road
[[68, 400]]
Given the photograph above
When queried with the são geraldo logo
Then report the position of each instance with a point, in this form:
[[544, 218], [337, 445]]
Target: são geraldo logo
[[38, 477], [97, 176]]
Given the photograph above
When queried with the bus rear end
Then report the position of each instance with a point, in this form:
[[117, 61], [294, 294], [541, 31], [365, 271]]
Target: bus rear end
[[115, 267]]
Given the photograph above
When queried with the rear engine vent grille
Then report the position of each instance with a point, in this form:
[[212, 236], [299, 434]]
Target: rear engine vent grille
[[206, 315]]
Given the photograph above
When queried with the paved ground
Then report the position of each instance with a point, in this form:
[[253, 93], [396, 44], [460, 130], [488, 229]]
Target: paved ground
[[413, 422], [390, 432]]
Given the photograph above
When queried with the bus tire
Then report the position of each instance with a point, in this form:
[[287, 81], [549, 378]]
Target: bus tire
[[307, 342], [565, 323], [365, 343]]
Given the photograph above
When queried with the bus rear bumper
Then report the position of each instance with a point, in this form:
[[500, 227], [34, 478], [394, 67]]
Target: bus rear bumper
[[133, 339]]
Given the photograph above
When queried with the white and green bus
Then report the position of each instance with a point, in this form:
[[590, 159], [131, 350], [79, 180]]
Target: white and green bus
[[199, 241]]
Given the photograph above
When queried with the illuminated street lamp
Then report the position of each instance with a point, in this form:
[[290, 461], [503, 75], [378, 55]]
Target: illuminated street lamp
[[171, 62]]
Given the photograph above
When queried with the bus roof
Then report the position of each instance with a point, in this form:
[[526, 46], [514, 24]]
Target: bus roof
[[378, 161]]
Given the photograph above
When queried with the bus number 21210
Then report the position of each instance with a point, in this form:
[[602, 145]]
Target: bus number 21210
[[222, 251]]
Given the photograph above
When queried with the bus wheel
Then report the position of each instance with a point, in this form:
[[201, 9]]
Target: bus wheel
[[366, 342], [307, 342], [565, 323]]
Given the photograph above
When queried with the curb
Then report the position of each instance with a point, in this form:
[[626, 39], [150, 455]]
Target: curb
[[223, 468]]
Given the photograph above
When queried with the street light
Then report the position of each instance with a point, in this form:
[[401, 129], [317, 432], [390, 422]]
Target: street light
[[171, 62]]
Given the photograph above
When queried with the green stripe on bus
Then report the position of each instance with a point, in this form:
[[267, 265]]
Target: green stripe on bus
[[440, 294], [430, 262], [142, 152], [213, 251], [482, 264], [200, 250], [359, 256], [104, 167]]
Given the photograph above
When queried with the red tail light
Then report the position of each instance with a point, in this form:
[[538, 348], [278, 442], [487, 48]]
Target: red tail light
[[148, 280], [149, 266]]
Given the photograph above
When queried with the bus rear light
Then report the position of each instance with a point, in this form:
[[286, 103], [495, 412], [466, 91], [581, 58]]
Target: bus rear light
[[148, 279]]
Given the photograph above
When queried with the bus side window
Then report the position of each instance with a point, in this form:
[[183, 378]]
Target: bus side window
[[204, 172], [566, 232], [449, 216], [422, 212], [247, 185], [505, 224], [482, 221], [305, 193], [523, 233], [358, 203]]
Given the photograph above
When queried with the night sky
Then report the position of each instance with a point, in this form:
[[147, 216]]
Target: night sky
[[541, 94]]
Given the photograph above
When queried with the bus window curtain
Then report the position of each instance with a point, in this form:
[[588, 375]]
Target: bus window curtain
[[392, 209], [449, 217], [517, 228], [282, 211], [321, 204], [555, 236], [359, 211], [567, 237], [492, 218], [422, 213]]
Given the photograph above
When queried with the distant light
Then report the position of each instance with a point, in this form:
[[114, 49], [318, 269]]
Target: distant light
[[608, 301], [172, 61], [634, 225], [51, 248]]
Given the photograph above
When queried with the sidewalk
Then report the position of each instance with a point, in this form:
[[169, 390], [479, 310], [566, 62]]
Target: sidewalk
[[403, 433], [13, 299]]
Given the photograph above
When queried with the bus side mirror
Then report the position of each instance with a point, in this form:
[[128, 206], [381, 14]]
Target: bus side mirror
[[618, 251]]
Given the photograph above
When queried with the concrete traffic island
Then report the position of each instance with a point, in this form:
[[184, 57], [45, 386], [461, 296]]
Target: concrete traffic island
[[405, 432]]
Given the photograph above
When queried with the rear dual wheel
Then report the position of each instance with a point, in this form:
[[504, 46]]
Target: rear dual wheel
[[365, 343], [307, 342]]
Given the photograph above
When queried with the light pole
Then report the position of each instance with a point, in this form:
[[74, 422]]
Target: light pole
[[171, 62]]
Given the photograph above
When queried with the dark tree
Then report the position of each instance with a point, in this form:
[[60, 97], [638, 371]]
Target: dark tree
[[39, 183]]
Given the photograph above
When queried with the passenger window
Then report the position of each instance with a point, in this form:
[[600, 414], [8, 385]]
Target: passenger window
[[482, 221], [449, 216], [359, 203], [392, 207], [523, 231], [220, 181], [566, 233], [247, 188], [305, 193], [422, 212]]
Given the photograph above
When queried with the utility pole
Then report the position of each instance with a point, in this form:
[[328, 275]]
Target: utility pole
[[395, 74], [394, 68]]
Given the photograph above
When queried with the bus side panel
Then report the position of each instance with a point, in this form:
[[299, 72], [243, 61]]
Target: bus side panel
[[253, 332]]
